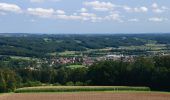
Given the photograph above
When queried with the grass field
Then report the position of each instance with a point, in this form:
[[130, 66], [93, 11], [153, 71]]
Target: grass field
[[145, 47], [75, 66], [79, 89], [67, 53], [18, 57]]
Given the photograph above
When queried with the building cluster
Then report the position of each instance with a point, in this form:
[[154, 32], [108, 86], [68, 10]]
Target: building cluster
[[116, 58], [66, 60], [87, 61]]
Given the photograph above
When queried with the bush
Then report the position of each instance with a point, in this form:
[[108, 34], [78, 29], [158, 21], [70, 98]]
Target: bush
[[79, 83], [2, 85], [7, 80], [70, 83], [31, 84], [56, 84], [88, 83]]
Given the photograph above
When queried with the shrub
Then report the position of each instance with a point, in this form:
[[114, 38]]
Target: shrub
[[70, 83], [31, 84], [79, 83], [56, 84]]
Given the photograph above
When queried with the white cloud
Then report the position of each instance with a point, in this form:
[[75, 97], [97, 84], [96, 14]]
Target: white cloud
[[136, 9], [128, 9], [41, 12], [82, 17], [37, 1], [41, 1], [141, 9], [10, 8], [154, 5], [100, 6], [114, 11], [164, 8], [68, 17], [83, 10], [89, 16], [114, 16], [32, 20], [60, 12], [158, 9], [133, 20], [157, 19]]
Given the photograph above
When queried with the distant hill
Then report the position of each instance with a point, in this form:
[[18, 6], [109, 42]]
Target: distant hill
[[38, 45]]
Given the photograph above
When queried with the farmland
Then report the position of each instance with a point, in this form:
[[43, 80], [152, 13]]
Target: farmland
[[85, 93], [88, 96]]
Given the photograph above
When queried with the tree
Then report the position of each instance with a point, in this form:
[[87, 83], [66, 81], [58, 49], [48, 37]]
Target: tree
[[108, 73], [2, 83], [62, 76], [78, 74], [10, 80], [142, 71]]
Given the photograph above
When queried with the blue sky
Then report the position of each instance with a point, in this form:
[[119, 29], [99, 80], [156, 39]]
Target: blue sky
[[84, 16]]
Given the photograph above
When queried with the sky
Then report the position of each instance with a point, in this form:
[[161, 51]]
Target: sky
[[84, 16]]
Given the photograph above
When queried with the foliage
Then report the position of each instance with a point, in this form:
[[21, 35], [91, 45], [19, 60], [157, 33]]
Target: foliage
[[32, 84], [70, 84], [7, 80]]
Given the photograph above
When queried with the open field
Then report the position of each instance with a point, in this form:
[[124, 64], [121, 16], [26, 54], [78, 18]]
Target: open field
[[79, 89], [75, 66], [147, 47], [88, 96], [67, 53]]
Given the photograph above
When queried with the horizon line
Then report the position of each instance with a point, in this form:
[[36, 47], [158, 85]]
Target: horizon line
[[41, 33]]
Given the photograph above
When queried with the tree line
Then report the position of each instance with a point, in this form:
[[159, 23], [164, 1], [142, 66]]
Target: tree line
[[144, 71]]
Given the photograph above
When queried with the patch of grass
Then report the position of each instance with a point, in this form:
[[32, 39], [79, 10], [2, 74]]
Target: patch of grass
[[79, 89], [67, 53], [19, 57], [75, 66], [145, 47]]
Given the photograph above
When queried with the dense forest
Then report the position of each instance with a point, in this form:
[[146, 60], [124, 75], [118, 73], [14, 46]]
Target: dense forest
[[39, 45], [152, 72]]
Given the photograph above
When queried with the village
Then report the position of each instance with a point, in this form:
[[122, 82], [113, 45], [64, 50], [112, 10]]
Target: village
[[88, 61]]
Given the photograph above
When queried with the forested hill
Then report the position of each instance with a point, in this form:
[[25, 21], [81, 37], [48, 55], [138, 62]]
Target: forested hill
[[38, 45]]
